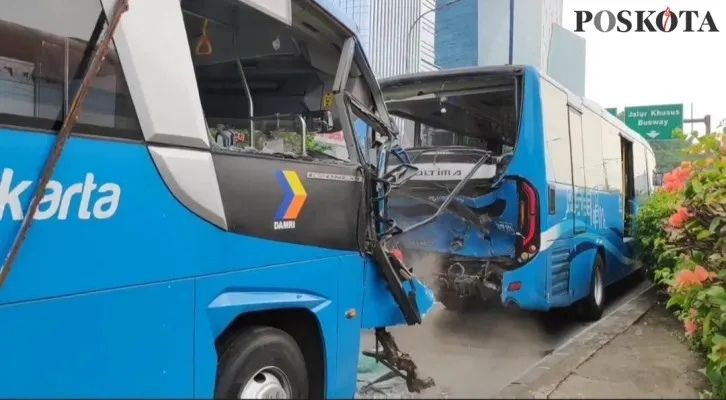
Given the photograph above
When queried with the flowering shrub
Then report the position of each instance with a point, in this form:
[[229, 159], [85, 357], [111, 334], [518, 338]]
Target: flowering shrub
[[682, 231], [650, 223], [676, 179]]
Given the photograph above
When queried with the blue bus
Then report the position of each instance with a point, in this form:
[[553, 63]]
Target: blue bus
[[545, 186], [171, 228]]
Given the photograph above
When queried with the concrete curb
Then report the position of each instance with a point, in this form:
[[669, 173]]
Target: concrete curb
[[543, 378]]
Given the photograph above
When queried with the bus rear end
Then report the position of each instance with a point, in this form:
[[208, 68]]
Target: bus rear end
[[476, 144]]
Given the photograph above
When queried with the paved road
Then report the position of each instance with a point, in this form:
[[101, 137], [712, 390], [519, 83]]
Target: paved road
[[477, 354]]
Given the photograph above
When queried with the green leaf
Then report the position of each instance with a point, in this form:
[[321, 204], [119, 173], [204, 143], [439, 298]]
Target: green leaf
[[714, 224], [697, 186], [707, 323], [675, 300], [716, 291], [703, 234], [717, 339]]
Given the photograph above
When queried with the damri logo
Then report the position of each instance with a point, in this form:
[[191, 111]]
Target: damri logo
[[295, 197], [647, 21], [92, 201]]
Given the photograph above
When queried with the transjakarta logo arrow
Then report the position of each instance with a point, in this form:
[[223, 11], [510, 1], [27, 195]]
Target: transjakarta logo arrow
[[295, 195], [653, 134]]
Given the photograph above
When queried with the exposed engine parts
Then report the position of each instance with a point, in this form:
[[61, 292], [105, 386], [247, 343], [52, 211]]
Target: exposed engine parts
[[469, 277]]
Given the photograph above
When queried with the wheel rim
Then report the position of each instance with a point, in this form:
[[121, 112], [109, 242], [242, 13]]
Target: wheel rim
[[598, 290], [267, 383]]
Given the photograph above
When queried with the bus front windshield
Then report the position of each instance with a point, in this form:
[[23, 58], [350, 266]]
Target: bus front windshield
[[267, 87]]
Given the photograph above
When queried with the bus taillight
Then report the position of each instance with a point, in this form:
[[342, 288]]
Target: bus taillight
[[528, 216]]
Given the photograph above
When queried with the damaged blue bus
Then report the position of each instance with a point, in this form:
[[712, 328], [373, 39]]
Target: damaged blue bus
[[545, 185]]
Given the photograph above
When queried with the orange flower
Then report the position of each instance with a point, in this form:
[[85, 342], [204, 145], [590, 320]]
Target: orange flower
[[671, 186], [709, 161], [676, 179], [678, 218], [701, 274], [682, 173], [686, 278], [691, 327]]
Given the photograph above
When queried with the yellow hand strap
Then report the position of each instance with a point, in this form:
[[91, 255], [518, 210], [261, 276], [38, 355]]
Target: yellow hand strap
[[204, 45]]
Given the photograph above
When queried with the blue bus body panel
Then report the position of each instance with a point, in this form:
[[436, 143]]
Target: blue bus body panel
[[533, 275], [130, 305], [437, 236], [582, 223], [165, 240], [379, 308], [129, 342]]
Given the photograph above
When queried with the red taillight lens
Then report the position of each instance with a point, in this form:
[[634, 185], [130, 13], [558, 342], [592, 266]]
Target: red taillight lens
[[528, 214]]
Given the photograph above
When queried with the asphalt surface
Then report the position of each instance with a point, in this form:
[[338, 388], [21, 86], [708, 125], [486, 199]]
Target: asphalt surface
[[476, 354]]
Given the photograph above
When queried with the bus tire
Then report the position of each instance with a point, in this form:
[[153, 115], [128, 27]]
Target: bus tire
[[261, 362], [592, 306]]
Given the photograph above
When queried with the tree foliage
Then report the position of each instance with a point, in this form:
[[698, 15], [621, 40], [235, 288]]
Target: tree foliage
[[670, 153]]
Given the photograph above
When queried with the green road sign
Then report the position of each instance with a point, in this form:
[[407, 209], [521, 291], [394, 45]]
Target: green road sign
[[613, 111], [655, 122]]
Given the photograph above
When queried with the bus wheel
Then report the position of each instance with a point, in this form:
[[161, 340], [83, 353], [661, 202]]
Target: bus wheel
[[592, 306], [261, 363]]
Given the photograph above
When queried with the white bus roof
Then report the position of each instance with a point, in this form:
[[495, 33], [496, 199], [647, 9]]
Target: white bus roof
[[579, 102]]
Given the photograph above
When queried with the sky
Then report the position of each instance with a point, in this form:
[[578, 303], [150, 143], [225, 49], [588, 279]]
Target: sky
[[656, 68]]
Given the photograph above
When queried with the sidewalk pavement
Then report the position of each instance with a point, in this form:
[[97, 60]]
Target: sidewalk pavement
[[635, 352]]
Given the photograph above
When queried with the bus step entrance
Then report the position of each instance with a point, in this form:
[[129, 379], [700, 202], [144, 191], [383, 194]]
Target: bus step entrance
[[398, 362]]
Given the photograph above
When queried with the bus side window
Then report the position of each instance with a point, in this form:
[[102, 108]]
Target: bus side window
[[578, 162], [557, 136], [592, 150], [44, 54]]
